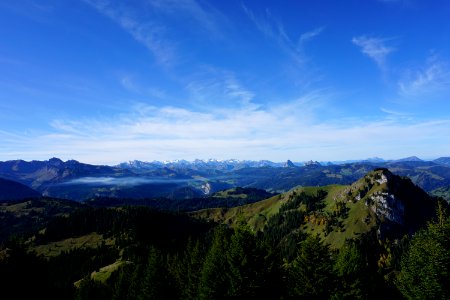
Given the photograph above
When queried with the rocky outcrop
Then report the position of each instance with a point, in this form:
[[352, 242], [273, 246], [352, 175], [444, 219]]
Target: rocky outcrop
[[395, 201], [288, 164]]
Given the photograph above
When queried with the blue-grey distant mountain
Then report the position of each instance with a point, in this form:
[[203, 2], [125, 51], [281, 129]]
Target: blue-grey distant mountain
[[442, 161], [374, 160], [199, 165], [410, 158], [313, 163], [13, 191], [38, 174], [289, 164], [199, 178], [44, 176]]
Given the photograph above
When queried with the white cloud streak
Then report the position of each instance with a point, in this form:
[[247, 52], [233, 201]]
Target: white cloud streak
[[375, 48], [434, 77], [217, 88], [307, 36], [277, 133], [149, 27], [276, 32], [150, 34], [208, 19]]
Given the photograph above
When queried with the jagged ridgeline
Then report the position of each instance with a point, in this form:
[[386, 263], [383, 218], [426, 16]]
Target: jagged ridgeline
[[380, 201]]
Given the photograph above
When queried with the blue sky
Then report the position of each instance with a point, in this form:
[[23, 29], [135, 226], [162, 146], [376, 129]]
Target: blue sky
[[109, 81]]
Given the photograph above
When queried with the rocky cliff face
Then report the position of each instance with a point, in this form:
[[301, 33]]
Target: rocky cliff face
[[392, 204], [395, 201]]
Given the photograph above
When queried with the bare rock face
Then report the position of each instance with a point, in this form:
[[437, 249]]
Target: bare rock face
[[394, 200], [386, 206], [206, 188]]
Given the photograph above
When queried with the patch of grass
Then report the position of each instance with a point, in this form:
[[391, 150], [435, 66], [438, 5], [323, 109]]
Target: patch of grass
[[91, 240], [231, 193], [104, 273], [443, 192], [255, 214]]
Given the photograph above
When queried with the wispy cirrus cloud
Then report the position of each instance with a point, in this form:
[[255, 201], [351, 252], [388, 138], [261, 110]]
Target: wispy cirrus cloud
[[394, 112], [218, 88], [148, 23], [432, 78], [307, 36], [375, 48], [277, 132], [274, 30], [150, 34], [209, 19]]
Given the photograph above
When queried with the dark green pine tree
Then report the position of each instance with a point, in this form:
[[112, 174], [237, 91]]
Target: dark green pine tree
[[194, 262], [310, 274], [186, 269], [246, 263], [156, 282], [425, 267], [214, 281], [91, 289], [351, 268], [122, 282]]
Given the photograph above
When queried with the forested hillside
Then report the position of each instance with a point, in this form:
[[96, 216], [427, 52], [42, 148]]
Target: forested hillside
[[381, 237]]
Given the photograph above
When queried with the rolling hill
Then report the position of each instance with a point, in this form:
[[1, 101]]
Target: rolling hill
[[13, 191], [380, 201]]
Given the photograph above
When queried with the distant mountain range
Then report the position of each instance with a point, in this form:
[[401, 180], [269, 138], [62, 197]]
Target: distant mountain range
[[234, 164], [193, 179]]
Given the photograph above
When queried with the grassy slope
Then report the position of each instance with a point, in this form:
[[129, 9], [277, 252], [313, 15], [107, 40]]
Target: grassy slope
[[104, 273], [255, 214], [443, 192], [39, 206], [360, 219], [91, 240], [21, 218]]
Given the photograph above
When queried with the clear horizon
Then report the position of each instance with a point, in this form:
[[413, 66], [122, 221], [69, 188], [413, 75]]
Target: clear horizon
[[231, 159], [102, 82]]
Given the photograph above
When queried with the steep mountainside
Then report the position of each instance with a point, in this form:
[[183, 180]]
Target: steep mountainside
[[381, 201], [12, 191]]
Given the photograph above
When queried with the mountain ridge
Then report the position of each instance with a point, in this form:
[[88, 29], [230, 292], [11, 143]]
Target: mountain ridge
[[183, 179], [387, 203]]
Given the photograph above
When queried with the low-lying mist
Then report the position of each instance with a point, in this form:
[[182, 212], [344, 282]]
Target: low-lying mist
[[125, 181]]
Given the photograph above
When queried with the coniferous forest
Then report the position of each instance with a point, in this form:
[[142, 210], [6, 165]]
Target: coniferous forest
[[165, 255]]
